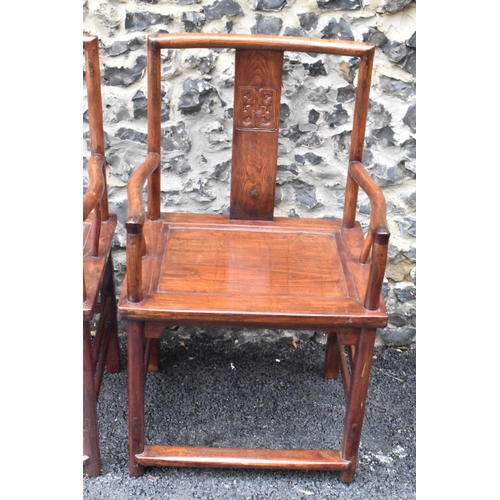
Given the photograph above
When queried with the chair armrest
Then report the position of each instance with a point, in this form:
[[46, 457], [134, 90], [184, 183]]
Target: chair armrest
[[377, 238], [134, 223], [95, 188], [136, 211]]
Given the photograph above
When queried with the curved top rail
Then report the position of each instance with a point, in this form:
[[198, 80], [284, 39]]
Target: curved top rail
[[259, 42]]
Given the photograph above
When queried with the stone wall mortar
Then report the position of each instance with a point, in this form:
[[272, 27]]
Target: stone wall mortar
[[316, 112]]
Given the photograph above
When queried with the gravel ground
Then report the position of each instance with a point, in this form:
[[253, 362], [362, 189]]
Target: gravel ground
[[268, 395]]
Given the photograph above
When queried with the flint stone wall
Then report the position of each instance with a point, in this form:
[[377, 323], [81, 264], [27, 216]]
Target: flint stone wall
[[316, 112]]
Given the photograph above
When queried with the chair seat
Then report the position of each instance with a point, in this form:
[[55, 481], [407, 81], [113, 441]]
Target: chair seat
[[286, 273], [93, 267]]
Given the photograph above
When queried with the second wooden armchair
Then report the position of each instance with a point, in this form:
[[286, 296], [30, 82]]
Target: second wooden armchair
[[250, 268]]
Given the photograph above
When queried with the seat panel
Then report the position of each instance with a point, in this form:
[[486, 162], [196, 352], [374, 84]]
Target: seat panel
[[281, 273]]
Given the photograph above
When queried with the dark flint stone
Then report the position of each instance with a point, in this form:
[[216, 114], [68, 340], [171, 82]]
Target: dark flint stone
[[406, 293], [410, 148], [385, 136], [412, 41], [378, 116], [313, 116], [337, 117], [187, 2], [299, 138], [284, 112], [122, 47], [180, 165], [140, 105], [128, 134], [175, 138], [193, 21], [221, 8], [143, 20], [196, 95], [267, 25], [396, 88], [152, 2], [315, 69], [346, 94], [395, 51], [407, 226], [312, 158], [391, 6], [410, 64], [221, 171], [267, 5], [290, 168], [341, 144], [308, 20], [305, 194], [293, 32], [337, 30], [376, 37], [348, 69], [123, 77], [410, 119], [339, 4]]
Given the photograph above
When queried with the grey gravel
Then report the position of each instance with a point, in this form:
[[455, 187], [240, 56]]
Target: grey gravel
[[214, 393]]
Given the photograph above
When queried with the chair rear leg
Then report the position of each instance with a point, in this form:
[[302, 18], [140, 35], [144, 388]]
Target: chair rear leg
[[90, 427], [109, 296], [332, 358], [136, 380], [154, 356], [356, 401]]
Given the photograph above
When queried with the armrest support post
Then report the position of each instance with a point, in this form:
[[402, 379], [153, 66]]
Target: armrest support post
[[136, 247]]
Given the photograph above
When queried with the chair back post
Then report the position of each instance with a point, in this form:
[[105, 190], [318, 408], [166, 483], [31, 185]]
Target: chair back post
[[94, 99], [154, 125], [358, 133]]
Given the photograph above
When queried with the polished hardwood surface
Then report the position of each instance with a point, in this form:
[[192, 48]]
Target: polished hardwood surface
[[99, 298], [250, 268]]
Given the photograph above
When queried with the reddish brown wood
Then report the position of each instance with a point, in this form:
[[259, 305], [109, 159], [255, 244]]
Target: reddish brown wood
[[249, 268], [256, 118], [98, 280], [332, 358], [135, 365], [180, 456], [356, 401]]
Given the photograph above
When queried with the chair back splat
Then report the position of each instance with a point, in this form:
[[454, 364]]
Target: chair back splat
[[250, 268]]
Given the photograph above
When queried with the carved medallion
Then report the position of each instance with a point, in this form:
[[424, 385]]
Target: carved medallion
[[256, 109]]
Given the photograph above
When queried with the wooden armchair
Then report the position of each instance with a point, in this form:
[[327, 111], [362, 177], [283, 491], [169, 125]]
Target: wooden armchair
[[99, 299], [249, 268]]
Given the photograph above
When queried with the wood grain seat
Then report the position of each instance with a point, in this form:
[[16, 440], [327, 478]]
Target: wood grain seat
[[286, 273], [250, 268]]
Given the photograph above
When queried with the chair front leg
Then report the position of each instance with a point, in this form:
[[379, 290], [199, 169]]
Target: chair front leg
[[136, 380], [90, 427], [356, 401]]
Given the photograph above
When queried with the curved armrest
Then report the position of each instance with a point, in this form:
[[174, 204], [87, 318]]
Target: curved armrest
[[96, 184], [136, 211], [377, 238], [135, 220]]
